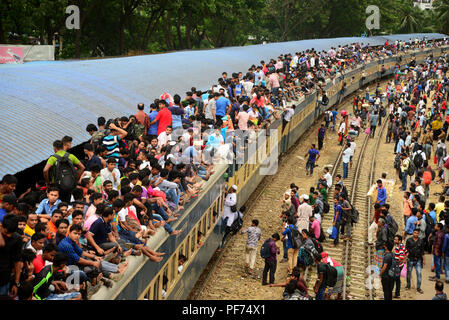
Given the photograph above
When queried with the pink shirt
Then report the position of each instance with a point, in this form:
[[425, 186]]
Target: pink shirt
[[274, 80], [316, 228], [90, 221], [243, 120]]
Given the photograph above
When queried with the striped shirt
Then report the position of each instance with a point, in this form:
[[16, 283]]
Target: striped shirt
[[400, 254], [112, 146], [254, 235]]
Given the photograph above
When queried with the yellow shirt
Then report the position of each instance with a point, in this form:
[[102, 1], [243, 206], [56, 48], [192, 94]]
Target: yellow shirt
[[438, 208], [28, 231]]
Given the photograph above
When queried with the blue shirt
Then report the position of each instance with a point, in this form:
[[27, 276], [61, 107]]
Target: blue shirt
[[382, 196], [433, 214], [288, 232], [70, 248], [44, 207], [339, 210], [312, 155], [100, 230], [112, 144], [177, 114], [410, 226], [152, 130], [2, 214], [221, 106], [334, 115]]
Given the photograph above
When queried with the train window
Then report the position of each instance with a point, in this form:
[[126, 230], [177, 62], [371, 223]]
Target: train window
[[209, 218], [193, 240], [174, 267], [156, 288], [165, 281], [187, 251]]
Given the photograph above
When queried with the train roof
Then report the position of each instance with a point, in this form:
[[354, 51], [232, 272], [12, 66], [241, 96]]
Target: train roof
[[44, 101]]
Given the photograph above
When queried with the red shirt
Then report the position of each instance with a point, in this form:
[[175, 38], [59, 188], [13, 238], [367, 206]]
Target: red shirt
[[38, 264], [165, 119]]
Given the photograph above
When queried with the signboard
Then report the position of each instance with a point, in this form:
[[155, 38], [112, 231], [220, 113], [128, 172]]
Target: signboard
[[12, 55]]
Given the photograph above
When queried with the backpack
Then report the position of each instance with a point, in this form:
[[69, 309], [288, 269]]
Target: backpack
[[317, 245], [237, 224], [326, 207], [394, 270], [344, 191], [440, 152], [325, 100], [65, 174], [265, 251], [392, 228], [397, 161], [322, 236], [296, 238], [97, 139], [331, 275], [418, 160], [411, 168], [430, 224], [327, 117], [139, 130]]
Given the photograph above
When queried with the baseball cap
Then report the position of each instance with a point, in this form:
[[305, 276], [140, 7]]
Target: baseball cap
[[234, 187]]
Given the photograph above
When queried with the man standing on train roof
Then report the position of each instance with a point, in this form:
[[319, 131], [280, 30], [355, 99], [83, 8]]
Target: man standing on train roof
[[314, 155], [164, 117]]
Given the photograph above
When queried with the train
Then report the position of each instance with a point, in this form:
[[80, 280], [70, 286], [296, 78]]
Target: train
[[202, 224]]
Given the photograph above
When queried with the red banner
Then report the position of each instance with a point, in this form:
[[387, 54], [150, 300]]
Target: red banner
[[11, 55]]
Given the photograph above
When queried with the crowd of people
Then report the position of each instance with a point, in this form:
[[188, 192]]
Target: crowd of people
[[72, 233], [414, 104]]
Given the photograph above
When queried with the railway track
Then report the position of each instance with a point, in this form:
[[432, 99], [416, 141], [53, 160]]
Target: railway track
[[225, 278], [354, 254]]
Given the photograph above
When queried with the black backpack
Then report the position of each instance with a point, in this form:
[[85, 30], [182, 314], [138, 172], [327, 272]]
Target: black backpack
[[326, 207], [418, 160], [265, 251], [322, 236], [296, 238], [394, 270], [430, 224], [65, 174], [237, 224], [344, 192], [317, 245], [392, 228], [331, 275]]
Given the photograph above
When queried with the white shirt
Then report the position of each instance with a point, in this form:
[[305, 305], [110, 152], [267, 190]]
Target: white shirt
[[347, 155], [353, 146], [328, 178], [163, 139], [289, 114], [230, 200], [107, 175], [342, 128]]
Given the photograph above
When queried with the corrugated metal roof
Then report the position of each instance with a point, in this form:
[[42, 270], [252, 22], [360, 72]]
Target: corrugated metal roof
[[42, 102]]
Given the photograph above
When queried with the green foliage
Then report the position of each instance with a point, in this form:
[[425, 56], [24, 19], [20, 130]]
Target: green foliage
[[121, 27]]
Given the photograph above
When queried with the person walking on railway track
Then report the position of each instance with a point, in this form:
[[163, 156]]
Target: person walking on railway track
[[293, 249], [346, 158], [321, 136], [254, 235], [400, 254], [405, 163], [313, 156], [347, 217], [381, 193], [415, 259], [305, 211], [388, 271], [269, 252]]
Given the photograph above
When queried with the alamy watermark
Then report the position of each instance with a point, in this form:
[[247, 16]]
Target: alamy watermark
[[73, 21], [373, 21]]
